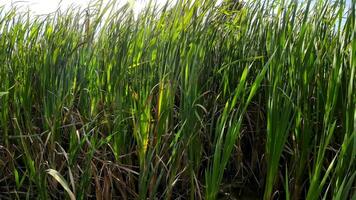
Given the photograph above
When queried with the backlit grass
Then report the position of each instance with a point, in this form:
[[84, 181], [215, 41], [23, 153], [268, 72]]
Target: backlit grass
[[192, 100]]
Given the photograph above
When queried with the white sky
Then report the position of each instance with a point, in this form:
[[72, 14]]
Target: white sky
[[48, 6]]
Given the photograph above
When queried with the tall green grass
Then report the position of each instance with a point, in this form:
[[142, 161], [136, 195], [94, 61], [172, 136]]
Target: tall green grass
[[192, 100]]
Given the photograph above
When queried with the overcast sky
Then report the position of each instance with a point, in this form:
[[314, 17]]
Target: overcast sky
[[48, 6]]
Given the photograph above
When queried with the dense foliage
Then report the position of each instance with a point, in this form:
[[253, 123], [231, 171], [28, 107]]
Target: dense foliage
[[193, 101]]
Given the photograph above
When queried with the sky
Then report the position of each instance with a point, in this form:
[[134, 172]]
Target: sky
[[47, 6]]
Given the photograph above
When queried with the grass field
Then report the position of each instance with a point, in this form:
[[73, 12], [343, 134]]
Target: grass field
[[195, 100]]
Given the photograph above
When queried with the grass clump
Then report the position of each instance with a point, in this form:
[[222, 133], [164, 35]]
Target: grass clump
[[193, 100]]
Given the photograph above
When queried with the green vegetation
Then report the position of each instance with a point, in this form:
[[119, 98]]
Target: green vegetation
[[193, 100]]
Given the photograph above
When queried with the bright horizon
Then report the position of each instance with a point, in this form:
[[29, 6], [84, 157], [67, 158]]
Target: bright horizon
[[40, 7]]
